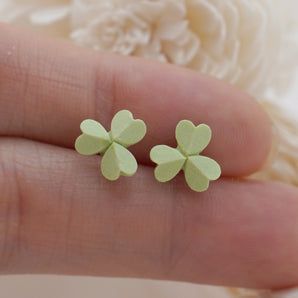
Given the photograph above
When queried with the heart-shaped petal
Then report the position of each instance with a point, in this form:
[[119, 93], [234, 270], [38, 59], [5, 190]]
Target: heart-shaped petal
[[117, 161], [195, 179], [208, 167], [88, 145], [191, 139], [169, 162], [94, 139], [95, 129], [199, 170], [126, 130]]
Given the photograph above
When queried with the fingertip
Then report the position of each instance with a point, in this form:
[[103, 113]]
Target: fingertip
[[263, 137], [246, 147]]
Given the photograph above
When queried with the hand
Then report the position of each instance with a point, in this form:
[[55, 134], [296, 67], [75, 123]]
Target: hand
[[59, 215]]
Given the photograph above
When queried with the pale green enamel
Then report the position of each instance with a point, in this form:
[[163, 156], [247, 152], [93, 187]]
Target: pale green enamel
[[117, 161], [192, 139], [209, 167], [198, 170], [94, 139], [88, 145], [126, 130], [170, 161], [95, 129], [195, 179]]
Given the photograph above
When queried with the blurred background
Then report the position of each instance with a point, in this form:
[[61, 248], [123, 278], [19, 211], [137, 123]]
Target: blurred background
[[86, 287]]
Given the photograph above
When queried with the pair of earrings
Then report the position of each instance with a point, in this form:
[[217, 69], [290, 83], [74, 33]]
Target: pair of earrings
[[126, 131]]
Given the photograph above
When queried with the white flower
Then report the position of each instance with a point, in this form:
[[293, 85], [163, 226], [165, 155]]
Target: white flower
[[111, 29], [150, 29], [243, 42], [234, 40]]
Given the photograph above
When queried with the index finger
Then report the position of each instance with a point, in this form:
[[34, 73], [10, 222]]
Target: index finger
[[47, 88]]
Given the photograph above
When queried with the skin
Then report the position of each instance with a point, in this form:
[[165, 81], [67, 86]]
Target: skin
[[59, 215]]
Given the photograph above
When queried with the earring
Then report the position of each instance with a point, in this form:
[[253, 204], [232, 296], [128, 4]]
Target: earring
[[117, 159], [198, 170]]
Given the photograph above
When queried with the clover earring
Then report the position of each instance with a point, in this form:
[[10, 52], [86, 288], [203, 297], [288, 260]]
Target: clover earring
[[117, 159], [198, 169]]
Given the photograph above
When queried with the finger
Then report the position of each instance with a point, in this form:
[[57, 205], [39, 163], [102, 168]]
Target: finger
[[58, 215], [47, 88]]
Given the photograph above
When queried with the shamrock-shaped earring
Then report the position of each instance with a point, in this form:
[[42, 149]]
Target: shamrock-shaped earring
[[117, 160], [198, 170]]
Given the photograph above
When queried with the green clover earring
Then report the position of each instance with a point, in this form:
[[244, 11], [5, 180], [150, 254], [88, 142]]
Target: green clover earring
[[198, 170], [117, 159]]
